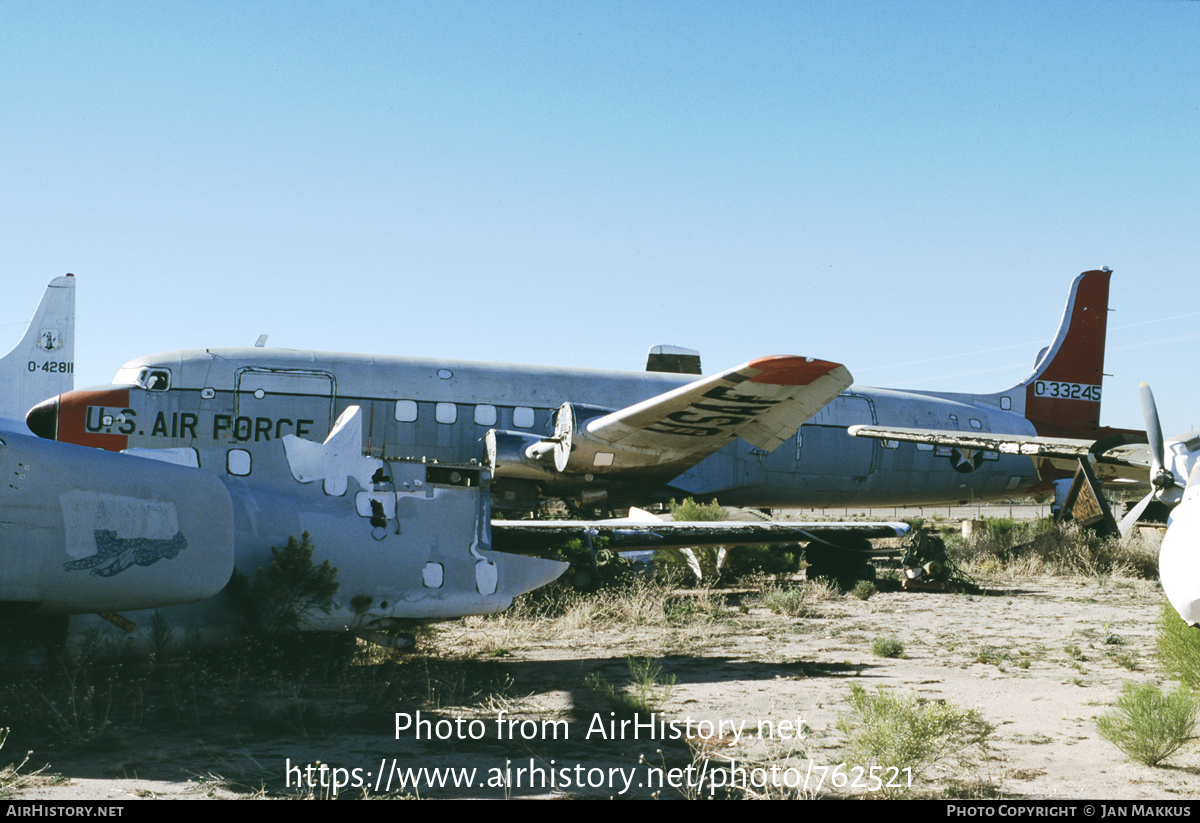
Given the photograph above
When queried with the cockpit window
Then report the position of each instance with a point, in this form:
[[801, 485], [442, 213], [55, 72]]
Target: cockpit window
[[154, 379]]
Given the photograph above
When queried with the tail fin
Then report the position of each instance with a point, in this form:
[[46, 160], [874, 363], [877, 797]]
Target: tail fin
[[43, 363], [1062, 396]]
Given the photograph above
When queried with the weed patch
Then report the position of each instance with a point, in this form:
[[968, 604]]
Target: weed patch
[[914, 737], [648, 690], [863, 589], [1178, 647], [1148, 724], [888, 647], [804, 600]]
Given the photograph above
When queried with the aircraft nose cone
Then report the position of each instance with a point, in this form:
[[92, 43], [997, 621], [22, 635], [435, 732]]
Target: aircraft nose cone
[[1179, 560], [42, 419]]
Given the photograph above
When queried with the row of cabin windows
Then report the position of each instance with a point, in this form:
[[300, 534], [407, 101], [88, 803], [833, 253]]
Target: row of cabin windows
[[485, 415]]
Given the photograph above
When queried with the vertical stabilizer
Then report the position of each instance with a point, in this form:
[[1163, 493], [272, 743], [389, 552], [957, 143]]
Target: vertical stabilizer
[[43, 363], [1062, 396]]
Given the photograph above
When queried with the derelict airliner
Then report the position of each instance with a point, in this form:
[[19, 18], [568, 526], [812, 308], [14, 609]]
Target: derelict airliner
[[769, 433]]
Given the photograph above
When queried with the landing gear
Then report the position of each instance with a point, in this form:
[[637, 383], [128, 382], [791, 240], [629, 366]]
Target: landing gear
[[843, 566]]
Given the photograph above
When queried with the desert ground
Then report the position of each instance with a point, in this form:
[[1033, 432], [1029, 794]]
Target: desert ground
[[728, 679]]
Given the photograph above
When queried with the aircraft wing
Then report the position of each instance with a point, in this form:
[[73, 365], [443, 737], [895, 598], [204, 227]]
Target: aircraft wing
[[524, 536], [1114, 457], [763, 402]]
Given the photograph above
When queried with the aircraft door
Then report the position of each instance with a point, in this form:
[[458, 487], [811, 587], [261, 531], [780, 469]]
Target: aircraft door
[[272, 403], [825, 449]]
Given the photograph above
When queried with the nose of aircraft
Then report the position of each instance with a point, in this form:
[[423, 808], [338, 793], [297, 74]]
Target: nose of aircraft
[[1179, 555], [42, 419]]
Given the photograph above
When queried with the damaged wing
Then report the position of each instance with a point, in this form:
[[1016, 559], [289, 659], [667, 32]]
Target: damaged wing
[[763, 402], [1121, 456], [525, 536]]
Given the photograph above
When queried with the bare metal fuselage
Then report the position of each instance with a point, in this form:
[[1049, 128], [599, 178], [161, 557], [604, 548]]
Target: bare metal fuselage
[[219, 401]]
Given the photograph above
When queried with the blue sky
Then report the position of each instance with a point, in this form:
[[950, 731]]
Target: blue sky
[[904, 188]]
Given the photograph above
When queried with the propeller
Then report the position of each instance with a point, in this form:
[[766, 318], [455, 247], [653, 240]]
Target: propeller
[[1164, 487], [1161, 479], [1179, 555]]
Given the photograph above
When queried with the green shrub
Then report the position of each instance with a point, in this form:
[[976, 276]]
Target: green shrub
[[1148, 724], [1178, 646], [689, 510], [904, 732], [282, 597], [801, 600], [863, 589], [888, 647]]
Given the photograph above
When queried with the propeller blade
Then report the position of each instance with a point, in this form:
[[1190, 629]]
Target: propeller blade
[[1132, 517], [1160, 478]]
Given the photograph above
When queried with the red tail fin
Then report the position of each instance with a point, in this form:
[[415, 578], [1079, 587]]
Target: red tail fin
[[1062, 396]]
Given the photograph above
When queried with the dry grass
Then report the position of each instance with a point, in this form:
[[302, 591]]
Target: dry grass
[[652, 616], [1019, 553], [801, 600]]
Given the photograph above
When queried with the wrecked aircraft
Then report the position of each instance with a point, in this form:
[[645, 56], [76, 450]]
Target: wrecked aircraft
[[772, 432], [84, 530]]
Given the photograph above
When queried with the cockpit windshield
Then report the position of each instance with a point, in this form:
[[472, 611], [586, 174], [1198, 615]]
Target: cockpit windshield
[[150, 379]]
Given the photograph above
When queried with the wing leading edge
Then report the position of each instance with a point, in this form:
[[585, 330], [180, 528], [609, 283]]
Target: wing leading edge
[[623, 536], [763, 402]]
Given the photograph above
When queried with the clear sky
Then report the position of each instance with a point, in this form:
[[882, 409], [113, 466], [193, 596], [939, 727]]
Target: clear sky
[[906, 188]]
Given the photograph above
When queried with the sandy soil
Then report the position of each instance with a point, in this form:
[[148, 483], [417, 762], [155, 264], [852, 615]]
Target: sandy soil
[[1040, 659]]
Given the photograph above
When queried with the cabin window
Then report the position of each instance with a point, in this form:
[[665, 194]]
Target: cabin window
[[975, 424], [485, 415], [445, 412], [406, 411], [523, 417], [891, 444], [954, 418], [237, 462], [924, 447], [154, 379], [432, 575], [1006, 402]]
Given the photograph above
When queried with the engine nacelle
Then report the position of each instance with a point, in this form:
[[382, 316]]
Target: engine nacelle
[[519, 455], [575, 451]]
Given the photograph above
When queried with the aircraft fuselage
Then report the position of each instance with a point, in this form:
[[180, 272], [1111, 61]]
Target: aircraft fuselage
[[228, 403]]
